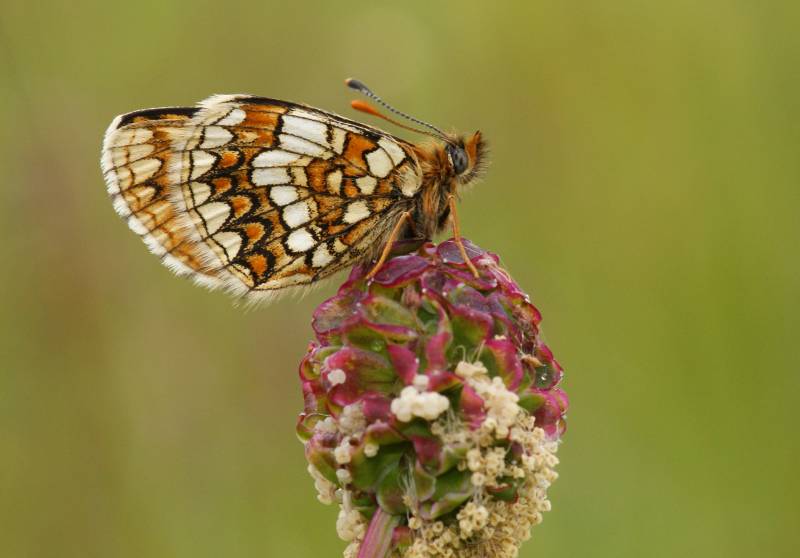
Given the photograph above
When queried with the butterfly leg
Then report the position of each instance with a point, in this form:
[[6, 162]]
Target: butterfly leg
[[387, 248], [451, 200]]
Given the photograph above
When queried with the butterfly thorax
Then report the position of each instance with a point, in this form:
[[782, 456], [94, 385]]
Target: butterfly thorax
[[440, 179], [438, 182]]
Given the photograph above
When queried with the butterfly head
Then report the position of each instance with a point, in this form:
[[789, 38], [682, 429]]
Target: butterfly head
[[466, 156]]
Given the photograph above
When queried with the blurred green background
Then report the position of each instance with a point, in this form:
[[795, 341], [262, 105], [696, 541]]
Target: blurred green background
[[644, 189]]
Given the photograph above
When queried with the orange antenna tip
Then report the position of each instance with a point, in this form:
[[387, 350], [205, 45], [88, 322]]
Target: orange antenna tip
[[363, 106]]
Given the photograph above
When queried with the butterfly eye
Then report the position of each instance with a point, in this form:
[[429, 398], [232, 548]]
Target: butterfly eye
[[458, 158]]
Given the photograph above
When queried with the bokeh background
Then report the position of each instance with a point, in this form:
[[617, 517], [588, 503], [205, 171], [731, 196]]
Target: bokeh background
[[645, 189]]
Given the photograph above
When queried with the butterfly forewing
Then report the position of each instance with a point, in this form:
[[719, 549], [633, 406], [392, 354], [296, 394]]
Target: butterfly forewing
[[255, 194]]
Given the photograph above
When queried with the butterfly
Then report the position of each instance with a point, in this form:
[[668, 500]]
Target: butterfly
[[259, 196]]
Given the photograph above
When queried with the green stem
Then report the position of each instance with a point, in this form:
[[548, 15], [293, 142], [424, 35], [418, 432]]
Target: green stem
[[378, 540]]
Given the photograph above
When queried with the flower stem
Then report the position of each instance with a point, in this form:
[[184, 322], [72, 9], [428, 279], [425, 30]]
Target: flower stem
[[378, 540]]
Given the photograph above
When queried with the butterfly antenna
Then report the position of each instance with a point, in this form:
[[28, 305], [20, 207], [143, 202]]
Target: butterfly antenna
[[361, 88]]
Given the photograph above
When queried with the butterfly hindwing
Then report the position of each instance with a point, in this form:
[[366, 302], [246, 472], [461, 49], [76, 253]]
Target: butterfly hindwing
[[256, 194], [137, 156]]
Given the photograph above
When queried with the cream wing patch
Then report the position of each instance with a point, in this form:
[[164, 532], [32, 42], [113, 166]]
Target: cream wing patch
[[229, 242], [277, 158], [302, 146], [310, 130], [380, 164], [366, 184], [283, 195], [215, 136], [322, 256], [271, 176], [300, 241], [213, 216], [297, 214], [232, 118], [395, 152], [356, 212], [201, 162]]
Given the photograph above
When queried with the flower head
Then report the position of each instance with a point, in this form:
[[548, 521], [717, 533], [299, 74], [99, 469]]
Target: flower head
[[431, 409]]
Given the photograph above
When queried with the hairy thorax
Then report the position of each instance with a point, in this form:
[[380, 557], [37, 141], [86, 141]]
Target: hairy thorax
[[431, 208]]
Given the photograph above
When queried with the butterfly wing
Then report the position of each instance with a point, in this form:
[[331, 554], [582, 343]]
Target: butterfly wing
[[256, 195]]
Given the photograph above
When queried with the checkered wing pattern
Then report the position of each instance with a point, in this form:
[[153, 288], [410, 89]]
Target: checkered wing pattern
[[257, 195]]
